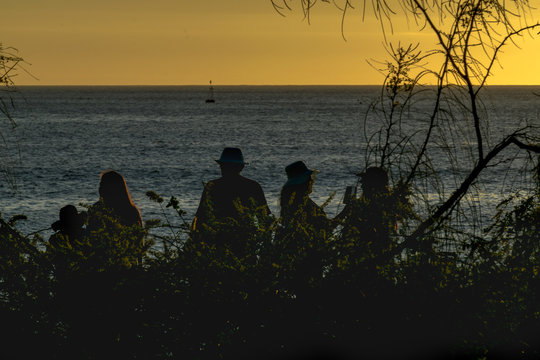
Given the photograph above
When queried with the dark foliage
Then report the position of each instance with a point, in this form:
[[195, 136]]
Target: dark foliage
[[250, 289]]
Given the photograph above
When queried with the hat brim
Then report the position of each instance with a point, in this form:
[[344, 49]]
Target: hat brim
[[300, 179]]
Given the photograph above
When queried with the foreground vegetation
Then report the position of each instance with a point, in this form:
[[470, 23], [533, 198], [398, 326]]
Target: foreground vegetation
[[429, 288], [295, 292]]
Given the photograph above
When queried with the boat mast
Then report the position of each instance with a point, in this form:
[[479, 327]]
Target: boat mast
[[210, 98]]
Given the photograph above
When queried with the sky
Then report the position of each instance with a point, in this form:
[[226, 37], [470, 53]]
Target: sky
[[190, 42]]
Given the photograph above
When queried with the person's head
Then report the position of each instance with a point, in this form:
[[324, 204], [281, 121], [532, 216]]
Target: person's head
[[69, 219], [113, 190], [231, 161], [299, 182], [374, 181], [298, 173]]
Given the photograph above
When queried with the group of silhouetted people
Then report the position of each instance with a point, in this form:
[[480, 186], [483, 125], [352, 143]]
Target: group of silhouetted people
[[224, 199], [91, 250], [222, 196], [114, 201]]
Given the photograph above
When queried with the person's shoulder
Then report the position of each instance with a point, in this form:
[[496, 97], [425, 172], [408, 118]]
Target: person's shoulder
[[98, 206], [213, 182], [249, 182]]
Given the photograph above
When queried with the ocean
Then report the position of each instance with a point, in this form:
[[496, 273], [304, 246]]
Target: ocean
[[166, 138]]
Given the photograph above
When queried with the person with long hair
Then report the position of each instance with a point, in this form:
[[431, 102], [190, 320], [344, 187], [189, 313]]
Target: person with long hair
[[115, 201], [116, 242]]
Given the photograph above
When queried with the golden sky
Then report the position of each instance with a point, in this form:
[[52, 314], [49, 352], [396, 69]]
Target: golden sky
[[189, 42]]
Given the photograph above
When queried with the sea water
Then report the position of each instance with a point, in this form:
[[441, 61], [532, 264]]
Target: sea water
[[166, 139]]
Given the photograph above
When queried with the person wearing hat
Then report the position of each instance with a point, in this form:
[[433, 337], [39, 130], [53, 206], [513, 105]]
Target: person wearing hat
[[295, 201], [222, 197], [300, 242]]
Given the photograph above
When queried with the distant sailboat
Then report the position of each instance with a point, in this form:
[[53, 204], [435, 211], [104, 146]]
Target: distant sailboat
[[210, 98]]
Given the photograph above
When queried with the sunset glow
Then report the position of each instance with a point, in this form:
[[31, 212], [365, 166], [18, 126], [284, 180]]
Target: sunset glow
[[167, 42]]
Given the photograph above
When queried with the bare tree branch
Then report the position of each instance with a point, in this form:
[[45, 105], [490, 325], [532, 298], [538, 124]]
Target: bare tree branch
[[411, 241]]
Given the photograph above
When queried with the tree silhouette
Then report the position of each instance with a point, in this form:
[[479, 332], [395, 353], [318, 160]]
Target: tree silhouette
[[470, 36], [9, 65]]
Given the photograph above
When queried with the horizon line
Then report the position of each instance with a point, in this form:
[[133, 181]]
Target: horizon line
[[253, 85]]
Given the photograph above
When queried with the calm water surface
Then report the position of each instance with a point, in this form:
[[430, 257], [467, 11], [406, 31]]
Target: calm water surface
[[166, 139]]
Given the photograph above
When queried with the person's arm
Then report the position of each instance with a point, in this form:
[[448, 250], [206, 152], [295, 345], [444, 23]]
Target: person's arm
[[260, 199], [200, 214], [343, 214]]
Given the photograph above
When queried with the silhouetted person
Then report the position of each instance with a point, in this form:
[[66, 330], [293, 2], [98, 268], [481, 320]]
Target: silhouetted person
[[69, 232], [370, 220], [296, 205], [69, 228], [114, 201], [374, 182], [116, 243], [301, 246], [224, 197]]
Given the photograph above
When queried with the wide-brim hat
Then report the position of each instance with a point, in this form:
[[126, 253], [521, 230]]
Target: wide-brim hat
[[298, 173], [374, 174], [231, 156]]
